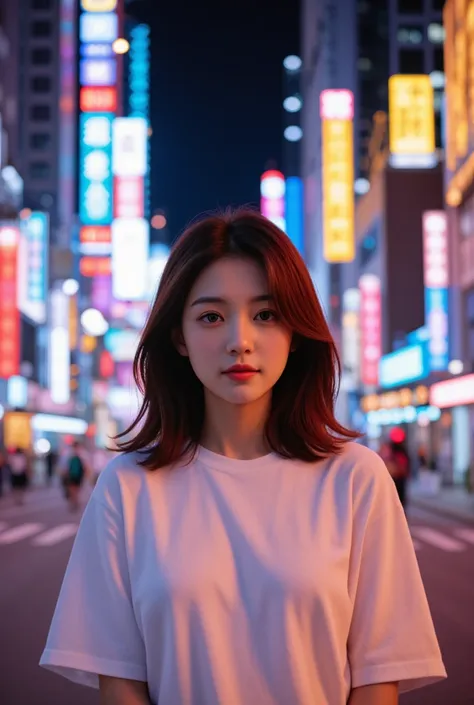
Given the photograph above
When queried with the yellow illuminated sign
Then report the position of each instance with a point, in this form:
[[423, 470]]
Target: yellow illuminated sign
[[17, 431], [338, 190], [411, 115], [98, 5], [394, 400]]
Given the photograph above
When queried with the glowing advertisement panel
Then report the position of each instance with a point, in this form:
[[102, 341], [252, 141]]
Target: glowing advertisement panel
[[411, 121], [68, 114], [33, 266], [59, 352], [351, 334], [95, 164], [129, 147], [98, 5], [403, 366], [130, 249], [272, 197], [101, 293], [122, 344], [98, 72], [9, 312], [101, 27], [436, 280], [370, 328], [453, 392], [129, 197], [294, 212], [139, 72], [101, 99], [336, 109]]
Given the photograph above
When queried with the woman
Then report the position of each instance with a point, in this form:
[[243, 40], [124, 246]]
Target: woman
[[242, 551]]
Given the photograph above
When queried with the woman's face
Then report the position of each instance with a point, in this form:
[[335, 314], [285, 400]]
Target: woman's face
[[228, 320]]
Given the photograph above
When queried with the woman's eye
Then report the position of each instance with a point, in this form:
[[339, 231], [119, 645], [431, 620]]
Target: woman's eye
[[266, 316], [210, 317]]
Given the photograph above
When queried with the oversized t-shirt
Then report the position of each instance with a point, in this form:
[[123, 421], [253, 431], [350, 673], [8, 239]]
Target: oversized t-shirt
[[230, 582]]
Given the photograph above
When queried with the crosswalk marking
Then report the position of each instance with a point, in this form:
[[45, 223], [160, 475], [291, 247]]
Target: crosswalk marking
[[18, 533], [53, 536], [466, 535], [437, 539]]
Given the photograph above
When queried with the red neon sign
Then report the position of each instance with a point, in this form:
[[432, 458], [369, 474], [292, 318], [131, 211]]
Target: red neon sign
[[98, 99], [95, 266], [129, 197], [95, 233], [9, 312]]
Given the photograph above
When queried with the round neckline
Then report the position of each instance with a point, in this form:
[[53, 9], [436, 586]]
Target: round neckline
[[222, 462]]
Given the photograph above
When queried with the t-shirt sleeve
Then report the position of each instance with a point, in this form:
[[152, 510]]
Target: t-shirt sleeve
[[94, 630], [392, 637]]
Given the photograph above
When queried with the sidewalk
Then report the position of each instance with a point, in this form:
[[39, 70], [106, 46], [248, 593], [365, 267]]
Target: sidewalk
[[453, 502]]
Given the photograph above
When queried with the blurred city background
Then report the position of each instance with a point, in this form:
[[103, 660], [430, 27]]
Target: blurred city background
[[350, 124]]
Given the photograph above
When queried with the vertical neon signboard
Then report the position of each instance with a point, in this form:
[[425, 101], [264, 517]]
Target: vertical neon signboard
[[9, 312], [370, 328], [294, 212], [337, 113], [436, 280]]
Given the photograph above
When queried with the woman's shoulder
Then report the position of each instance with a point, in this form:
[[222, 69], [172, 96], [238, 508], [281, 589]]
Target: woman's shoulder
[[360, 467], [123, 472]]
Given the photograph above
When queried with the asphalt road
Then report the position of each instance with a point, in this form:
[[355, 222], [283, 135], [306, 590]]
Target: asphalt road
[[35, 542]]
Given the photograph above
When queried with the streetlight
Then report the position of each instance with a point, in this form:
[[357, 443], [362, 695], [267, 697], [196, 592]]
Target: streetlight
[[94, 323], [292, 104], [293, 133], [292, 63], [70, 287]]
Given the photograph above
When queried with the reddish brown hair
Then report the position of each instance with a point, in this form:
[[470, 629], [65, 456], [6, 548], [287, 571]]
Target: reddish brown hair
[[301, 423]]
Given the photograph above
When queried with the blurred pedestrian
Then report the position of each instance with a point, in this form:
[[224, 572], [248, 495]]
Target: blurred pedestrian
[[51, 463], [19, 474], [242, 550], [397, 460], [3, 469], [75, 473]]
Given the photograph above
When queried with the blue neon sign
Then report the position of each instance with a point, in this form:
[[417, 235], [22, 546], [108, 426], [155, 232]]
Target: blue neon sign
[[139, 71], [98, 27], [436, 306], [409, 364], [294, 212], [95, 161]]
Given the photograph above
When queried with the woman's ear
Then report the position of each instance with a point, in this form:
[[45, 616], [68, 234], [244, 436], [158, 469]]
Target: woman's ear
[[178, 341]]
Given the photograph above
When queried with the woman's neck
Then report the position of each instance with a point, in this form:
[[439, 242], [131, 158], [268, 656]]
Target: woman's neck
[[236, 430]]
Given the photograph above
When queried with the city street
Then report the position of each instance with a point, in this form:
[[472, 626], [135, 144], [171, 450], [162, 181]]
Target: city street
[[35, 541]]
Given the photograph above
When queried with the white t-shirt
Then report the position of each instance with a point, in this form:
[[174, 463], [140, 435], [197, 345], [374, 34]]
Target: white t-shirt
[[230, 582]]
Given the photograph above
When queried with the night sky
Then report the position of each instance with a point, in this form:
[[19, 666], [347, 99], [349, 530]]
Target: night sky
[[216, 99]]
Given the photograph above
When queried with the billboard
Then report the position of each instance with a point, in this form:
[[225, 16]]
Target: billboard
[[130, 247], [436, 280], [33, 266], [139, 72], [100, 27], [370, 328], [272, 197], [411, 121], [93, 99], [9, 312], [129, 147], [336, 111], [453, 392], [95, 163], [404, 366]]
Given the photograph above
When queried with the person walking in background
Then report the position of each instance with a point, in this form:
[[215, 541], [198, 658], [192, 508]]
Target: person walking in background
[[74, 475], [397, 460], [19, 474], [51, 462], [3, 469]]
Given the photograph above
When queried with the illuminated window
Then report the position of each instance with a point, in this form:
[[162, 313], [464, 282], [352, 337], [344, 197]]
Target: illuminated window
[[40, 170], [41, 29], [40, 140], [411, 61], [41, 84], [40, 113], [436, 33], [41, 57], [410, 7], [410, 35]]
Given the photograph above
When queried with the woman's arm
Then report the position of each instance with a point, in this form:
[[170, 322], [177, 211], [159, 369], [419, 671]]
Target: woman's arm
[[119, 691], [379, 694]]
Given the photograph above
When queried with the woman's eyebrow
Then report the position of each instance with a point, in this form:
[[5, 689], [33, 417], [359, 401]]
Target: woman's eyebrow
[[220, 300]]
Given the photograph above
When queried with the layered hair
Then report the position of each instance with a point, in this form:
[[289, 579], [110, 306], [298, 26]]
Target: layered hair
[[301, 423]]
